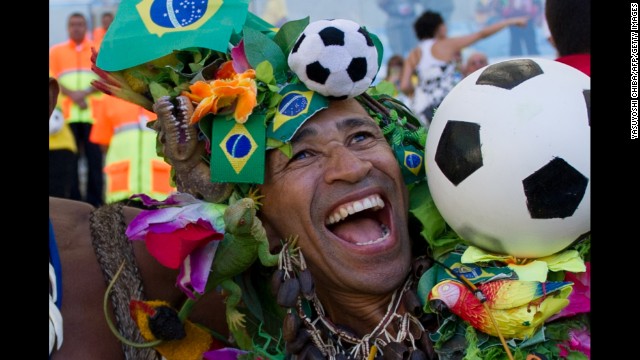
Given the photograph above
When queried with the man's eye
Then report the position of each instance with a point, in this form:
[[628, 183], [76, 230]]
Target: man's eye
[[300, 155], [361, 136]]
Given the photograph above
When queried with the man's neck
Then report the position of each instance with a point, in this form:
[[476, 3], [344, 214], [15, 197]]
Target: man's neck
[[359, 313]]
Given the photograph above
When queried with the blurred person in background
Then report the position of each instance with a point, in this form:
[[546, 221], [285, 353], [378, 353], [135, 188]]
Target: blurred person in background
[[435, 60], [70, 64], [98, 33], [474, 62], [525, 35], [63, 164], [400, 16], [569, 23], [131, 164]]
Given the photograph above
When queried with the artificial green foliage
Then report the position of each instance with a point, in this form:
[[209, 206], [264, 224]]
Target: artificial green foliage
[[435, 230], [384, 87], [287, 35], [258, 48]]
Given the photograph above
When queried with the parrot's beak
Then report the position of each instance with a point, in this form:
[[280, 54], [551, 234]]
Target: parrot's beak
[[439, 306]]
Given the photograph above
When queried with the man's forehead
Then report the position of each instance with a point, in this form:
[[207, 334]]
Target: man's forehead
[[313, 126]]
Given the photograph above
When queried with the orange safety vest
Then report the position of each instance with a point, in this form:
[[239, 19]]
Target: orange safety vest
[[70, 64], [131, 164]]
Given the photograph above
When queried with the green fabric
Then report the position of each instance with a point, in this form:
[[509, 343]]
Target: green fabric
[[238, 150], [297, 105], [140, 32]]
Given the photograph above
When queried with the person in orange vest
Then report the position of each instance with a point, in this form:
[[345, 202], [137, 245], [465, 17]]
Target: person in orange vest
[[131, 163], [98, 32], [70, 64]]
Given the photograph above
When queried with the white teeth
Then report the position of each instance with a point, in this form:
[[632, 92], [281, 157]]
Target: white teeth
[[371, 202]]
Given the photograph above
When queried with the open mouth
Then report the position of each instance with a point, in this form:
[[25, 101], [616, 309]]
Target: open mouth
[[362, 222]]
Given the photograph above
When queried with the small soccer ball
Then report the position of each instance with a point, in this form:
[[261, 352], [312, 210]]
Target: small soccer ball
[[56, 121], [507, 157], [335, 58]]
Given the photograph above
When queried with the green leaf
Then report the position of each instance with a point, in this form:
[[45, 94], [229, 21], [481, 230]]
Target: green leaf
[[273, 88], [384, 87], [264, 72], [157, 90], [379, 47], [288, 34], [259, 48]]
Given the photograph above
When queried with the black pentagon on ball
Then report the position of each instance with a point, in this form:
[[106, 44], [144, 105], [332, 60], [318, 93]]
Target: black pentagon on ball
[[318, 73], [365, 33], [555, 190], [458, 154], [357, 69], [332, 36], [509, 74], [297, 44]]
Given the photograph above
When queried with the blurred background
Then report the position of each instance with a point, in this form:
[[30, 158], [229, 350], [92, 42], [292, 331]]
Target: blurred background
[[462, 17]]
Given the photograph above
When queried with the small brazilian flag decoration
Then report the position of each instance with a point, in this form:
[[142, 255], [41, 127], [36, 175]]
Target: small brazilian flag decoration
[[297, 105], [238, 150], [411, 162], [149, 29]]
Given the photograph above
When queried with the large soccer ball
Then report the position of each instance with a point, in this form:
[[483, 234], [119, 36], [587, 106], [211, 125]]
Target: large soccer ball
[[508, 157], [335, 58]]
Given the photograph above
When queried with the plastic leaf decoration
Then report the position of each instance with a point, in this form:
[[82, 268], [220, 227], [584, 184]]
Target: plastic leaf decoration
[[258, 48]]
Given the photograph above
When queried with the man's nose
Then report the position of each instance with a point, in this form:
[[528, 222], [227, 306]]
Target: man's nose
[[344, 165]]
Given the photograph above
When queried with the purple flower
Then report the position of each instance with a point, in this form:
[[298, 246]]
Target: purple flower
[[223, 354]]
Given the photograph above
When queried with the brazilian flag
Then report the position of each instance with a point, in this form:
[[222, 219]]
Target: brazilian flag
[[298, 103], [149, 29], [411, 162], [238, 150]]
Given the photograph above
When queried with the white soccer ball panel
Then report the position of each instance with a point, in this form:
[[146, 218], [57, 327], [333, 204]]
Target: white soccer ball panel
[[335, 58], [541, 122], [340, 80]]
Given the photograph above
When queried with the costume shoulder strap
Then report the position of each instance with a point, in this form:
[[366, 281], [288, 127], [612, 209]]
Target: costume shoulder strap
[[112, 248]]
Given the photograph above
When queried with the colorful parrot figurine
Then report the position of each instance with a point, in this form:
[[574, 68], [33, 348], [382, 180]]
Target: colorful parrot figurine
[[518, 307]]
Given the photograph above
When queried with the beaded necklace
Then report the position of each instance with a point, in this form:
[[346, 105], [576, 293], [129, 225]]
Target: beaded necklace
[[317, 337]]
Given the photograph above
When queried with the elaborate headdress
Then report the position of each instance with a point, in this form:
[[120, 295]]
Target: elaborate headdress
[[234, 87]]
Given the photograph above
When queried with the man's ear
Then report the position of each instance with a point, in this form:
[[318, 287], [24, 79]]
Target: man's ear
[[54, 90]]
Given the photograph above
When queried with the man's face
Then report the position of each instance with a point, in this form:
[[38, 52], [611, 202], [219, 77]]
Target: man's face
[[341, 164], [77, 28], [107, 19]]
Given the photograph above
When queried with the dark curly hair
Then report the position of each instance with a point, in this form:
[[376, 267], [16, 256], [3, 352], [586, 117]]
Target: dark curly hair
[[427, 24]]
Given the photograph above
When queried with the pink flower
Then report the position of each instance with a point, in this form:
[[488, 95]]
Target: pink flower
[[184, 233], [580, 297], [579, 340]]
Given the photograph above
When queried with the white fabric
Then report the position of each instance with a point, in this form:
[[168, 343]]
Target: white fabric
[[435, 79], [55, 317], [56, 120]]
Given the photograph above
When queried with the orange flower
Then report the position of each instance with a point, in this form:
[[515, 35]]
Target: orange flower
[[240, 92]]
